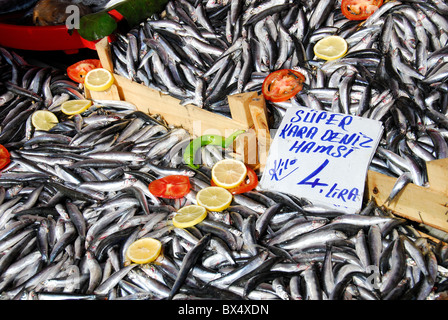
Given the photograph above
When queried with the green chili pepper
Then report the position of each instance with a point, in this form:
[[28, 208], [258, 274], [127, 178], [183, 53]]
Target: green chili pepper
[[204, 140], [100, 24]]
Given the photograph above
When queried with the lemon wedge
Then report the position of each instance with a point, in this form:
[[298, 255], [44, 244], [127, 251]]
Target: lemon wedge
[[214, 198], [188, 216], [72, 107], [144, 250], [229, 173], [44, 120], [330, 48], [98, 79]]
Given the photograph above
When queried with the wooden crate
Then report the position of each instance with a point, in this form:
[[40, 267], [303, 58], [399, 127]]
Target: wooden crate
[[427, 205], [248, 111]]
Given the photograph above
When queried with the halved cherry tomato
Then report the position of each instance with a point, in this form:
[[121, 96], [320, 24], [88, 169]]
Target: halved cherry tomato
[[4, 157], [282, 84], [359, 9], [170, 187], [77, 71], [248, 184]]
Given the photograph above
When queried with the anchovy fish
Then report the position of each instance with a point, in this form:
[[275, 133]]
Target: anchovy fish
[[74, 198]]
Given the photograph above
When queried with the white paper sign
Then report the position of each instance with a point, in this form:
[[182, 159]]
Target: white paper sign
[[322, 156]]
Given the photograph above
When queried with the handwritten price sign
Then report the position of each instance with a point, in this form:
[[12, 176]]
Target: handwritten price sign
[[322, 156]]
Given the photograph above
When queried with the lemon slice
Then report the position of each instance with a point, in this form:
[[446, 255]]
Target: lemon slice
[[214, 198], [98, 79], [144, 250], [330, 48], [71, 107], [44, 120], [188, 216], [229, 173]]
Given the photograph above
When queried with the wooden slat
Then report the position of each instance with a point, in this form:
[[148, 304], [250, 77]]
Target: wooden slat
[[109, 94], [438, 175], [257, 108], [104, 54], [416, 203], [239, 107], [196, 120], [246, 147]]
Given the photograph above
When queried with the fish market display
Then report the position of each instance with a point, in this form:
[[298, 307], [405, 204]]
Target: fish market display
[[75, 197], [394, 71]]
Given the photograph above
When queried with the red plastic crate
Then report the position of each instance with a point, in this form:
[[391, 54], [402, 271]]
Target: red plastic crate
[[42, 38]]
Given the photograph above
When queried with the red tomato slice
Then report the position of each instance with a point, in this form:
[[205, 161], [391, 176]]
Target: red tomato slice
[[4, 157], [248, 184], [359, 9], [170, 187], [282, 85], [78, 71]]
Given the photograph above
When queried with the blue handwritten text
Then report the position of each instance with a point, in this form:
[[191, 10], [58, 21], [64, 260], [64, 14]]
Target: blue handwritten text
[[282, 169], [314, 116]]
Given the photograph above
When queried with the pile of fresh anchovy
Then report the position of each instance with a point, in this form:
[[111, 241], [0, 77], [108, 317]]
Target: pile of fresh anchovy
[[25, 88], [74, 198], [395, 69]]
